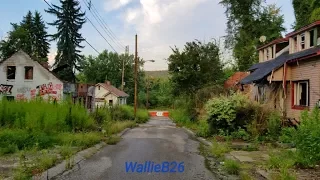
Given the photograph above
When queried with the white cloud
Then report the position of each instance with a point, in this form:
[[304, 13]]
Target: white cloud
[[164, 23], [111, 5]]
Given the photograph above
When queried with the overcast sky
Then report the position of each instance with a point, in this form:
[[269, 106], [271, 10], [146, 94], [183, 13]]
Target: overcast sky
[[160, 24]]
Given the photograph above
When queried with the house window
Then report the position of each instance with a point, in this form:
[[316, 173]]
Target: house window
[[99, 88], [28, 72], [267, 53], [301, 93], [110, 102], [312, 38], [303, 38], [272, 55], [11, 72]]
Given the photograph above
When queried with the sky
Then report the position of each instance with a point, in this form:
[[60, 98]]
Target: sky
[[159, 24]]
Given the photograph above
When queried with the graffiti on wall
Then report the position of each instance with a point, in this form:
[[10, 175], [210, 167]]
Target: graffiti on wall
[[6, 89], [50, 89], [21, 97]]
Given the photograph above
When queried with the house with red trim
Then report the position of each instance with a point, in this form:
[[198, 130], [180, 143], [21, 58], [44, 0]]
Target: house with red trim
[[288, 73]]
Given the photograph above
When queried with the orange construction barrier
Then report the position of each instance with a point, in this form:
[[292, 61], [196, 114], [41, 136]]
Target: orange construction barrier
[[159, 113]]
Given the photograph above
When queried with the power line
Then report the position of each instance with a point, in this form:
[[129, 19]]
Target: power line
[[105, 24], [83, 38], [102, 25]]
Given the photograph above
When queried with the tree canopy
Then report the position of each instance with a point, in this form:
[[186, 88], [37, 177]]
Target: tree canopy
[[69, 22], [248, 20], [194, 67], [29, 35], [306, 12]]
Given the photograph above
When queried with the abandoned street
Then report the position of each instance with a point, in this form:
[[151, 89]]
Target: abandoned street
[[158, 140]]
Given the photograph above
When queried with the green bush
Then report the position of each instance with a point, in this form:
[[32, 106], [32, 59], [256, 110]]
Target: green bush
[[142, 116], [274, 125], [240, 134], [229, 113], [287, 135], [179, 116], [284, 159], [307, 138]]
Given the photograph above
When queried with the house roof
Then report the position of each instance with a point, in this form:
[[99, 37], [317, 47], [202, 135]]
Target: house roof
[[235, 79], [305, 28], [27, 56], [261, 70], [113, 90]]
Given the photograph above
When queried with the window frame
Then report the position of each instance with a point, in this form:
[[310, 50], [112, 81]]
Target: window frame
[[296, 95], [312, 38], [15, 72], [303, 43], [25, 72]]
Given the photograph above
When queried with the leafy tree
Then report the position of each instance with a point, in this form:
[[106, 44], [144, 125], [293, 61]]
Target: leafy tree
[[108, 66], [305, 12], [29, 35], [197, 65], [69, 22], [247, 21], [41, 44]]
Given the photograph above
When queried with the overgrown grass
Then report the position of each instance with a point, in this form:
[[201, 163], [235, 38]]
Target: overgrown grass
[[113, 140], [114, 127], [232, 167], [283, 159], [218, 150]]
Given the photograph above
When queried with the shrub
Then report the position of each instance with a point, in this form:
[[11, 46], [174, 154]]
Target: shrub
[[240, 134], [229, 113], [287, 135], [232, 167], [274, 125], [100, 115], [307, 138], [142, 115]]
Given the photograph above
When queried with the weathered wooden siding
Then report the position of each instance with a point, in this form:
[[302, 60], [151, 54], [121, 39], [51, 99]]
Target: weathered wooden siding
[[304, 70]]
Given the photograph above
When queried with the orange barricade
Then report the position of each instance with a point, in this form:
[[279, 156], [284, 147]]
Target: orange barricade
[[159, 113]]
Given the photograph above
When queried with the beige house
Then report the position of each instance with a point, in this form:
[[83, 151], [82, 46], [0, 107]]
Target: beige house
[[288, 73], [108, 95]]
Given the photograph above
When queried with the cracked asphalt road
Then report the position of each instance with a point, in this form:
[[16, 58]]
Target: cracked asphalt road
[[158, 140]]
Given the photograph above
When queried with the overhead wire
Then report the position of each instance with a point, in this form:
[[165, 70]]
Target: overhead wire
[[102, 24], [105, 24]]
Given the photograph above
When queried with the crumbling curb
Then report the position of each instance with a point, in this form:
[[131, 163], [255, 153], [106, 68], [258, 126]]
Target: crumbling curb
[[80, 156]]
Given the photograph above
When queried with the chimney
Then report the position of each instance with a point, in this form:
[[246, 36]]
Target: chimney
[[108, 83]]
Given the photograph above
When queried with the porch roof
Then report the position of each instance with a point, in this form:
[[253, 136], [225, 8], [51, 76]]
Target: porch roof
[[262, 70]]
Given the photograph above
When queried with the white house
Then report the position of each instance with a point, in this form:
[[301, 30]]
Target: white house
[[106, 94], [22, 78]]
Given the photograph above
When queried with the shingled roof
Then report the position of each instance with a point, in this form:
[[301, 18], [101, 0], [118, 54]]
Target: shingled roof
[[262, 70], [117, 92]]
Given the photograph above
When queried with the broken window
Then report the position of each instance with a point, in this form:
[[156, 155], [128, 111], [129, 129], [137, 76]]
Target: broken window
[[302, 93], [312, 38], [28, 72], [11, 72], [303, 41]]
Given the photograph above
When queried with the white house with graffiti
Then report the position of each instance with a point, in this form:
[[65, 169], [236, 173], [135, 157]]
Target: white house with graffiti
[[24, 78]]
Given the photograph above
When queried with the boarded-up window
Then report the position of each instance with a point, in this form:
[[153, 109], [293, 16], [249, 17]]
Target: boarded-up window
[[11, 72], [28, 72]]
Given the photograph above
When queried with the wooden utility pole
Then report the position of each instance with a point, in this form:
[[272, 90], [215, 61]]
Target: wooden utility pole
[[136, 78], [126, 55]]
